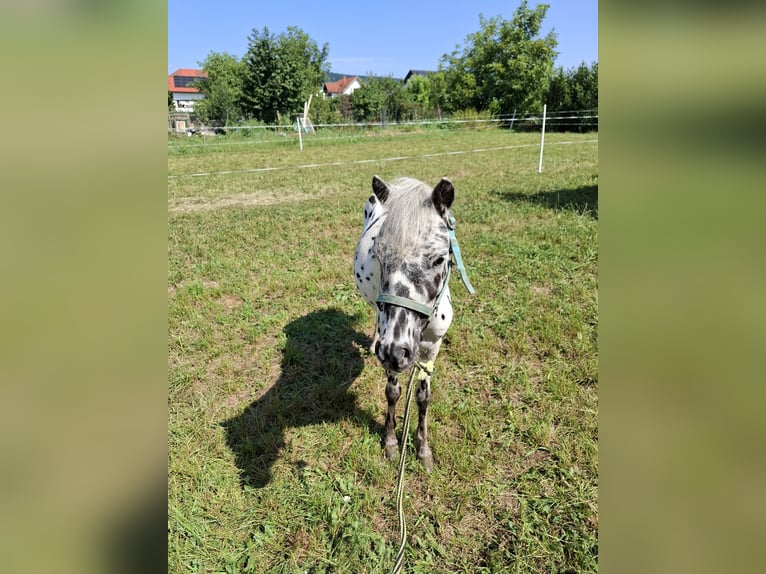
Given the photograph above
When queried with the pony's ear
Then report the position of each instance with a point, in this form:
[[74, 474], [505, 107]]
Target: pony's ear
[[443, 195], [380, 188]]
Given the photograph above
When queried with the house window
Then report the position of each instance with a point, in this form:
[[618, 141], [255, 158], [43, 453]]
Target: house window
[[185, 81]]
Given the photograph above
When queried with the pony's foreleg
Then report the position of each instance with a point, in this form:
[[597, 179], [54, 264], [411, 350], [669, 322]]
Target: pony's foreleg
[[423, 397], [375, 335], [374, 341], [393, 391], [428, 351]]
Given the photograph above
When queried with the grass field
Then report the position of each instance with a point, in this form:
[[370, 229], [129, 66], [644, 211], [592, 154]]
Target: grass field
[[276, 408]]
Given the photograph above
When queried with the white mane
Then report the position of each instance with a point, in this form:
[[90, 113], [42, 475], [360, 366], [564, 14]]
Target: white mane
[[410, 216]]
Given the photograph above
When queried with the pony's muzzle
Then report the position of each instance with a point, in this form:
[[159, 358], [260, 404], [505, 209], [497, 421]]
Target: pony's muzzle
[[396, 357]]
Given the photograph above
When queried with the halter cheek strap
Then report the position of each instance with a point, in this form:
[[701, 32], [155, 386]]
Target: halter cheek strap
[[455, 249]]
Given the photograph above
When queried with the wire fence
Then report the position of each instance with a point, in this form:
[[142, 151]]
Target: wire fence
[[581, 121]]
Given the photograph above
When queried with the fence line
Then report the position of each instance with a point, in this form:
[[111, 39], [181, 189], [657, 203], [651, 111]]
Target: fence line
[[499, 119], [319, 138], [503, 118], [362, 161]]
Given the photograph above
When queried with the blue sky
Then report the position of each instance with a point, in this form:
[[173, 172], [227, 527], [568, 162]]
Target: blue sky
[[368, 37]]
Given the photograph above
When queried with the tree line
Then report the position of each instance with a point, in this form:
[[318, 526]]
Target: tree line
[[505, 69]]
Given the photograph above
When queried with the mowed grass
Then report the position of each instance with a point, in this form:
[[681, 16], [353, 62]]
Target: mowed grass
[[276, 408]]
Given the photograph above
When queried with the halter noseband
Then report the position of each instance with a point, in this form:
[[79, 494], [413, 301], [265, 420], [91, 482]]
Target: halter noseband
[[408, 303], [421, 308]]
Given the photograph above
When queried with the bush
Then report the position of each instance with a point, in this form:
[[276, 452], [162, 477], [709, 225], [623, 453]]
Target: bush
[[474, 120]]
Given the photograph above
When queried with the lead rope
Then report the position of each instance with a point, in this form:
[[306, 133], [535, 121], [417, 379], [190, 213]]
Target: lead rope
[[424, 369]]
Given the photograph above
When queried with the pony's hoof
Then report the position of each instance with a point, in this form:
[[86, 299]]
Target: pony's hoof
[[391, 451], [426, 458], [427, 462]]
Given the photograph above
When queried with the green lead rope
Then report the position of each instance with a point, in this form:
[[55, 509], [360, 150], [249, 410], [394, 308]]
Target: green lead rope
[[455, 248], [425, 370]]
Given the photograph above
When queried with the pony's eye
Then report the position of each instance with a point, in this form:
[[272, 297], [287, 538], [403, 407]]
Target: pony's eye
[[380, 306], [438, 261]]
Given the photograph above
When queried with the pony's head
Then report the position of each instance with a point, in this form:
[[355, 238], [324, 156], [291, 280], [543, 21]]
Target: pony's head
[[412, 249]]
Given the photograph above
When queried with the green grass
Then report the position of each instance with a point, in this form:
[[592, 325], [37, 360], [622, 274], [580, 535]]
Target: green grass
[[276, 408]]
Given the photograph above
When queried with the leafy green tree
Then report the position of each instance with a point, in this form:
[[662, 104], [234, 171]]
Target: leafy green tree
[[438, 92], [460, 90], [380, 98], [584, 87], [222, 89], [260, 89], [325, 110], [575, 91], [344, 107], [584, 90], [419, 93], [281, 72], [505, 66], [559, 98], [366, 101], [425, 96]]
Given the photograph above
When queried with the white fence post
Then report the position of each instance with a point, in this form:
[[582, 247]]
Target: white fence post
[[300, 137], [542, 141]]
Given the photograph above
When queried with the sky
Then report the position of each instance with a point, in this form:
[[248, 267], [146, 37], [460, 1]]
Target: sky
[[368, 38]]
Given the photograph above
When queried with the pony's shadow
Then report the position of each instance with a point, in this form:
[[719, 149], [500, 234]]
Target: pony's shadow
[[583, 200], [319, 363]]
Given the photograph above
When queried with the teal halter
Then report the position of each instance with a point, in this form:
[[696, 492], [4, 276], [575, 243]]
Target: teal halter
[[455, 248], [421, 308]]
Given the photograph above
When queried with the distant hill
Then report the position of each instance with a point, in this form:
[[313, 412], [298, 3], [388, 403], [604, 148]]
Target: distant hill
[[334, 77]]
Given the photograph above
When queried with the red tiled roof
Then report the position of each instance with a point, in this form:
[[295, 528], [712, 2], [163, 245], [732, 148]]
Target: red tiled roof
[[189, 72], [339, 86]]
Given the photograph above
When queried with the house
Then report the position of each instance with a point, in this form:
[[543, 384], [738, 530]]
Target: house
[[344, 86], [182, 90], [412, 73]]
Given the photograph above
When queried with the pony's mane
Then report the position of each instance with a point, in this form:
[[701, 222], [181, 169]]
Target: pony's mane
[[410, 216]]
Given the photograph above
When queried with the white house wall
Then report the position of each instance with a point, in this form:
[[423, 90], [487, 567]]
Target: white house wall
[[184, 101], [355, 85]]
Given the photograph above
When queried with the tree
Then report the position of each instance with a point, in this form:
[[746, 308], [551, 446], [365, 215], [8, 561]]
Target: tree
[[281, 72], [426, 95], [504, 66], [584, 87], [325, 111], [460, 90], [575, 91], [559, 98], [222, 89], [366, 101], [419, 92], [379, 98], [438, 92], [584, 90]]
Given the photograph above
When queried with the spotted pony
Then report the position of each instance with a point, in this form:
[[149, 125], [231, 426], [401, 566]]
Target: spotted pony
[[401, 266]]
